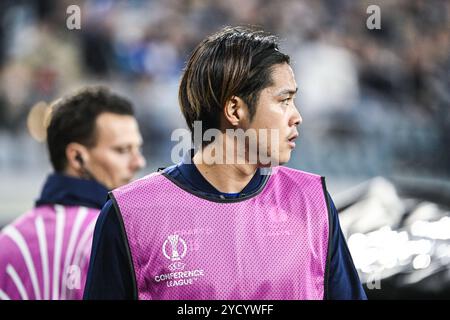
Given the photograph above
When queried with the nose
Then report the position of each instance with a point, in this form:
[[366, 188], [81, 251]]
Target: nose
[[138, 161], [296, 118]]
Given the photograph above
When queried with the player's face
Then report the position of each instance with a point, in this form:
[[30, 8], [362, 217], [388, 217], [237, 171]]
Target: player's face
[[116, 157], [276, 110]]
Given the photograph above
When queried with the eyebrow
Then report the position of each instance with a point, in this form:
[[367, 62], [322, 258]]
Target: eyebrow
[[287, 91]]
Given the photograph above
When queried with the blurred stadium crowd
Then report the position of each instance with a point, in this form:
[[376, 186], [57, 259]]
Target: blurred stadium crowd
[[374, 103]]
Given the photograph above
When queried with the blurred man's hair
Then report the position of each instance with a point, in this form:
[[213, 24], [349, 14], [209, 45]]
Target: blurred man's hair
[[236, 61], [73, 119]]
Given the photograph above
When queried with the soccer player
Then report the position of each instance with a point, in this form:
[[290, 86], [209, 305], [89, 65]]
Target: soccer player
[[94, 145], [215, 227]]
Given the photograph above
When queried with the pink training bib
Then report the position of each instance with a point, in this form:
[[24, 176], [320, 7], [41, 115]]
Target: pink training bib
[[272, 245]]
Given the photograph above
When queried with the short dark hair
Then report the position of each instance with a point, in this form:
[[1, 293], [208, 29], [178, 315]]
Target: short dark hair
[[73, 119], [236, 61]]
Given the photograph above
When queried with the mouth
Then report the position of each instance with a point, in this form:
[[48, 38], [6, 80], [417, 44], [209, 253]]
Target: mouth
[[291, 140]]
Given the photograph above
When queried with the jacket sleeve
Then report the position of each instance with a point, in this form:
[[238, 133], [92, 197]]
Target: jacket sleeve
[[344, 283], [110, 275]]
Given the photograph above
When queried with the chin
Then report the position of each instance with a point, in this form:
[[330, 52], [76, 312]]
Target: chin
[[284, 157], [124, 182], [275, 162]]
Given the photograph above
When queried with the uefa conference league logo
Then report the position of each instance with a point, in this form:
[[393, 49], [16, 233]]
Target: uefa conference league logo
[[175, 249], [175, 256]]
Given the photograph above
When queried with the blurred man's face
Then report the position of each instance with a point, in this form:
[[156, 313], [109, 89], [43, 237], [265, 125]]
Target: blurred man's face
[[276, 110], [116, 156]]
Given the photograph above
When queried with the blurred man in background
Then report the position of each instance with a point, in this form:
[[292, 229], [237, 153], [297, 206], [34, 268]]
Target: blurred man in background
[[94, 145]]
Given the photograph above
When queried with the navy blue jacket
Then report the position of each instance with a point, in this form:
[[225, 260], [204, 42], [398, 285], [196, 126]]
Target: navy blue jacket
[[111, 275], [71, 191]]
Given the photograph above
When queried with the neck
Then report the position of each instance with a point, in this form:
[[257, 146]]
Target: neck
[[225, 176], [72, 173], [83, 174]]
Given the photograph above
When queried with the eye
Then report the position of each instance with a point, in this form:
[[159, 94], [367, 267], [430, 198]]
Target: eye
[[121, 150], [286, 101]]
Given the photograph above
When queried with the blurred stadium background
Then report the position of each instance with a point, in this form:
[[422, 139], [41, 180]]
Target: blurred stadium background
[[375, 103]]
